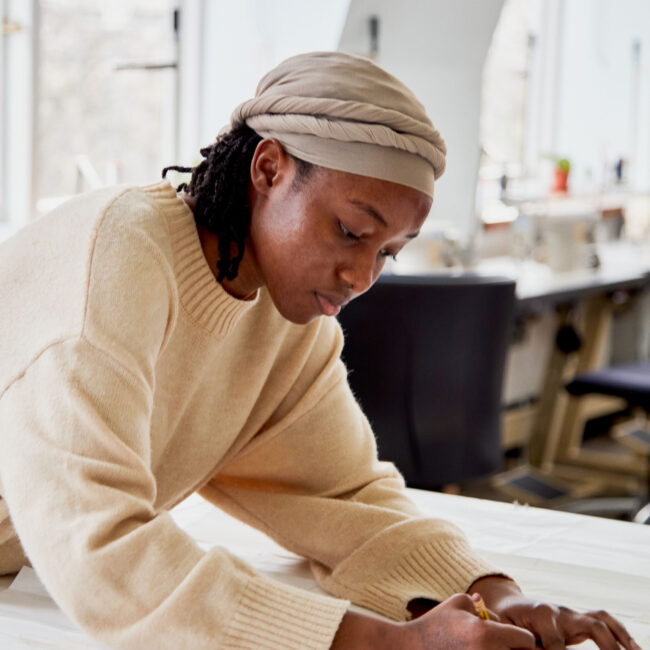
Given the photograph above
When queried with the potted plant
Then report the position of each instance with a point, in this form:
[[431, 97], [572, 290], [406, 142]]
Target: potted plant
[[561, 177]]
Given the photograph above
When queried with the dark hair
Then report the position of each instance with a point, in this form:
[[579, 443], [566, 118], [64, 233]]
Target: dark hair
[[220, 185]]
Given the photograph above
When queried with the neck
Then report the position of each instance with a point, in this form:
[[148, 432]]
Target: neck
[[246, 283]]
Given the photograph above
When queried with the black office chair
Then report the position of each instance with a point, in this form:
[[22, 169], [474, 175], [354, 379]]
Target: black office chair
[[630, 382], [426, 357]]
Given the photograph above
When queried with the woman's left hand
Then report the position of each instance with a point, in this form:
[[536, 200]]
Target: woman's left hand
[[555, 627]]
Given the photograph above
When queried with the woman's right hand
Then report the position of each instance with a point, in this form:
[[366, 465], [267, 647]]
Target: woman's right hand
[[452, 625]]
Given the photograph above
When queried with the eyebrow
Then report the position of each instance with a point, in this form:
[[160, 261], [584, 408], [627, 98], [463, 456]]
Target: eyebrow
[[376, 215]]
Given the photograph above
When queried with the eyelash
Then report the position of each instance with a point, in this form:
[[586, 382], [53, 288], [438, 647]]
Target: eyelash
[[347, 233], [350, 235]]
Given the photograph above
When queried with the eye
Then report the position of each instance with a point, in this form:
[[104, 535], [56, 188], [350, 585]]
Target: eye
[[385, 253], [347, 233]]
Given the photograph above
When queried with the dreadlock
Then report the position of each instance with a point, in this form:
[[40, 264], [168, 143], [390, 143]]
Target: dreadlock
[[219, 184]]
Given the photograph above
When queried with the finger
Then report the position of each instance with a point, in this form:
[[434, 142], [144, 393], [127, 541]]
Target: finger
[[543, 620], [617, 629], [495, 617], [603, 637], [482, 610], [466, 603], [551, 637], [479, 607], [510, 636], [459, 601], [581, 627]]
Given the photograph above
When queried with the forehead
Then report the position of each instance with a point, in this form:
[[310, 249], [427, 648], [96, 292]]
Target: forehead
[[390, 204]]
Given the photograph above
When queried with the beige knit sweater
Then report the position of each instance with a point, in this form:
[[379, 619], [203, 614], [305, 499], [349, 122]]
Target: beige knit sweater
[[130, 379]]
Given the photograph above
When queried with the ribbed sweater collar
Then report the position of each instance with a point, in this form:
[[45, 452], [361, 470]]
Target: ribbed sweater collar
[[203, 298]]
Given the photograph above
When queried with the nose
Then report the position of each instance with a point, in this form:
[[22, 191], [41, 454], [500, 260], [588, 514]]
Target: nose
[[360, 271]]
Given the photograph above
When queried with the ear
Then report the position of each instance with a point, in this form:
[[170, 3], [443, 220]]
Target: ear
[[269, 166]]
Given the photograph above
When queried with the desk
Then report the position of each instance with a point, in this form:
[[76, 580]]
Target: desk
[[623, 266], [582, 562]]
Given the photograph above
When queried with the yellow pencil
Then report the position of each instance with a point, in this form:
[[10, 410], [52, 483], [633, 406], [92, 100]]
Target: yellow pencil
[[479, 606]]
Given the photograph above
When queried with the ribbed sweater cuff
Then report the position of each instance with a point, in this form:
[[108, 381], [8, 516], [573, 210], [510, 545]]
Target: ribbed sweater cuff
[[274, 616], [435, 570], [419, 558]]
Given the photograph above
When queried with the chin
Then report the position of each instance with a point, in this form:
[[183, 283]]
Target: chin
[[300, 319], [296, 316], [288, 303]]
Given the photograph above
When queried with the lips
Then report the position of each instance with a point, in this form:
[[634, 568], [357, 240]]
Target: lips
[[329, 305]]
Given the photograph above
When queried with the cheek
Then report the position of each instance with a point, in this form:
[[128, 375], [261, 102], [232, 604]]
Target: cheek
[[275, 232], [293, 238], [286, 247], [290, 222], [280, 244]]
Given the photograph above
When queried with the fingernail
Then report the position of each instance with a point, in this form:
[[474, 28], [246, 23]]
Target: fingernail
[[476, 597]]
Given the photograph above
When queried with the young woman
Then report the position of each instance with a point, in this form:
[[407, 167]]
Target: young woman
[[155, 344]]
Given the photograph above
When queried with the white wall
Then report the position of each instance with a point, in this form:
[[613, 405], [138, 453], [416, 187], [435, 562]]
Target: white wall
[[228, 46], [437, 47]]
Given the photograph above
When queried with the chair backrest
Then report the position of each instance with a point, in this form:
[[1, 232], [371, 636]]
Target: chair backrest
[[426, 359]]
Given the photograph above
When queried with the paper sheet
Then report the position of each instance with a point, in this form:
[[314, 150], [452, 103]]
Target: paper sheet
[[30, 619], [580, 562], [625, 596]]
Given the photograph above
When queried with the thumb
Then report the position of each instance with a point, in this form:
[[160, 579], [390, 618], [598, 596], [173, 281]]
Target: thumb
[[481, 609]]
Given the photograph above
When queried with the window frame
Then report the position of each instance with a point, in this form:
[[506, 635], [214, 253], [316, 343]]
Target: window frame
[[18, 89]]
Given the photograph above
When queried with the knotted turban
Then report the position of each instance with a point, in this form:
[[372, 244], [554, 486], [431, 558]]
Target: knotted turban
[[344, 112]]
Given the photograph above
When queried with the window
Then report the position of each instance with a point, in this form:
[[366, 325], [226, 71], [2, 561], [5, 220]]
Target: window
[[17, 87], [88, 98], [507, 106], [106, 94]]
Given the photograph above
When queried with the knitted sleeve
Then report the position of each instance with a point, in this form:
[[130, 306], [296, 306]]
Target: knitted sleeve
[[312, 482], [74, 434]]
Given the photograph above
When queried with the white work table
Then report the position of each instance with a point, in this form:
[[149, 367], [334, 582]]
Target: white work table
[[579, 561], [621, 264]]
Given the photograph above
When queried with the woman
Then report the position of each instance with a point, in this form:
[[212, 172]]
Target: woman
[[158, 345]]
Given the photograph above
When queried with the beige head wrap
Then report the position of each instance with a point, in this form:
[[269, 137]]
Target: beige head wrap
[[346, 113]]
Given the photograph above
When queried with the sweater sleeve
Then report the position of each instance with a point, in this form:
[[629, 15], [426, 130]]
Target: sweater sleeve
[[74, 434], [312, 481]]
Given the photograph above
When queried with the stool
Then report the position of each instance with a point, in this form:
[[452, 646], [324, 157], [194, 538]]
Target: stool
[[630, 382]]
